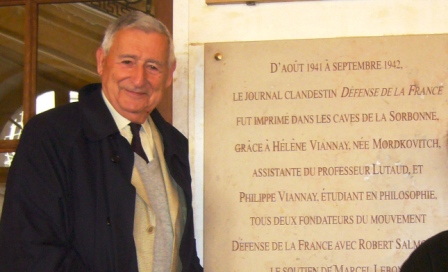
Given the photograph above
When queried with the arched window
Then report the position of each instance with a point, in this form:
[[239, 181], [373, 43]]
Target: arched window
[[13, 128]]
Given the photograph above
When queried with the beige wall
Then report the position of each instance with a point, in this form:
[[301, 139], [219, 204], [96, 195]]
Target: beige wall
[[196, 23]]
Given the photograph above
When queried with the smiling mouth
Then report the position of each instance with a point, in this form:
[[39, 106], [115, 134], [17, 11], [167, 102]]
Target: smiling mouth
[[135, 92]]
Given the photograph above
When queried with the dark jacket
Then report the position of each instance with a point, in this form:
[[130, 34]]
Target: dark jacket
[[431, 256], [69, 203]]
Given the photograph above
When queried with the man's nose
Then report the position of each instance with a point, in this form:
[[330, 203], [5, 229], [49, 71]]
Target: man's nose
[[139, 76]]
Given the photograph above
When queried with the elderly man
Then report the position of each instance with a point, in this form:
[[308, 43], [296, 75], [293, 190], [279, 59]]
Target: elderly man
[[104, 184]]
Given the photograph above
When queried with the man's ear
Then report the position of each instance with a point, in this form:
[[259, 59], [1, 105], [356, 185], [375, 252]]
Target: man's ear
[[169, 80], [99, 60]]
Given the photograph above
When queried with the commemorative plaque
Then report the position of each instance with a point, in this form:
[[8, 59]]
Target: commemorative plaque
[[324, 155]]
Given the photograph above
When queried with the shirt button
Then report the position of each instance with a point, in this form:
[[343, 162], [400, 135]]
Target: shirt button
[[150, 229]]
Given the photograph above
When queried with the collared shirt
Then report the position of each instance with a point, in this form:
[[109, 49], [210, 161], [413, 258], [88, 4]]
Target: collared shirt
[[125, 131], [144, 226]]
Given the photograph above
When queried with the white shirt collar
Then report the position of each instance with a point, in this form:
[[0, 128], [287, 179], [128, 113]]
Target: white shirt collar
[[122, 124], [119, 120]]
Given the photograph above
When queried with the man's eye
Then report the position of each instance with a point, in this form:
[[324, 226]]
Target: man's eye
[[127, 62], [153, 68]]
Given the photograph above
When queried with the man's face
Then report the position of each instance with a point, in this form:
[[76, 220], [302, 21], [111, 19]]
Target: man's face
[[135, 72]]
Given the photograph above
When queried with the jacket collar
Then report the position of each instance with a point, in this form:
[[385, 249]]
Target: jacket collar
[[172, 143], [97, 121]]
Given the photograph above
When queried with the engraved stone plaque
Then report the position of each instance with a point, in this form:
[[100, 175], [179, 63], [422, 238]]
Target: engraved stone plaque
[[324, 155]]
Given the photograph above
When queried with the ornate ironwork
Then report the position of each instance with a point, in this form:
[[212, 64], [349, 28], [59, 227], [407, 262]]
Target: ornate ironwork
[[117, 8]]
